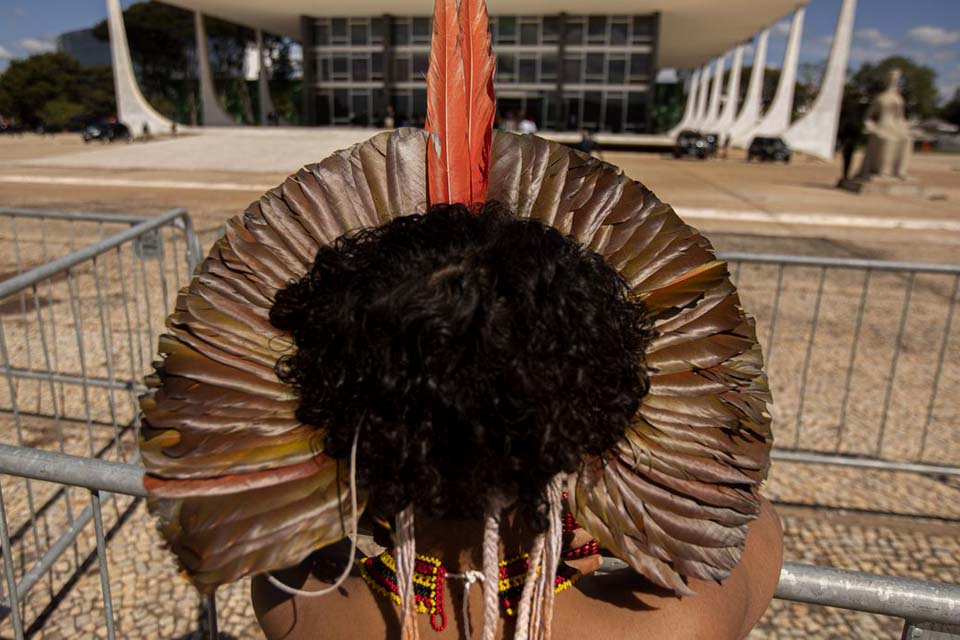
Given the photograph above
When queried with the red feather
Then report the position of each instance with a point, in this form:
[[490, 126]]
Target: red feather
[[460, 103]]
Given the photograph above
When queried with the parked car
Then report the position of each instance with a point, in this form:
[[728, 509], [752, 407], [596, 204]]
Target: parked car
[[692, 144], [772, 149], [106, 132]]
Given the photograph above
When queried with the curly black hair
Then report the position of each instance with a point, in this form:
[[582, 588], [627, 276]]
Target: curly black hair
[[478, 354]]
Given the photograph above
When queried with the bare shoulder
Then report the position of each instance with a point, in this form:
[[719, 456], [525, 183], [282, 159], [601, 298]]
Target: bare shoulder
[[618, 605]]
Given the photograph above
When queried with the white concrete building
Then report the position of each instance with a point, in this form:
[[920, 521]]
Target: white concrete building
[[566, 66]]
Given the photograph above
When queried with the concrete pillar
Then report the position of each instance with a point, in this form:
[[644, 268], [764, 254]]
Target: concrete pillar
[[700, 115], [263, 82], [777, 119], [728, 115], [749, 116], [210, 110], [133, 109], [713, 110], [816, 131], [689, 107]]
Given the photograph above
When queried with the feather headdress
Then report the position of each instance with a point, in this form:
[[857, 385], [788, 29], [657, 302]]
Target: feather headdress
[[242, 487]]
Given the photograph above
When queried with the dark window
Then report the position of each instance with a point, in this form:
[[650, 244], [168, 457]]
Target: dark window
[[548, 67], [571, 70], [493, 29], [361, 70], [572, 105], [618, 72], [339, 31], [597, 29], [529, 33], [421, 64], [528, 70], [574, 34], [361, 110], [642, 28], [613, 118], [401, 105], [507, 30], [377, 30], [594, 64], [639, 66], [618, 33], [376, 66], [421, 30], [551, 29], [420, 105], [379, 106], [637, 112], [358, 34], [506, 66], [323, 108], [323, 70], [341, 65], [401, 69], [341, 104], [400, 33], [322, 34], [591, 108]]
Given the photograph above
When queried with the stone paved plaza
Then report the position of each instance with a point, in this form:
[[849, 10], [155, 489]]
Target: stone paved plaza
[[889, 523]]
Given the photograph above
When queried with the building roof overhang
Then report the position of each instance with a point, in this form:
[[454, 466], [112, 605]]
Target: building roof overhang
[[691, 31]]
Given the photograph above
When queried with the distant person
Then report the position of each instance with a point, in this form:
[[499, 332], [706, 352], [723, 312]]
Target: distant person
[[390, 121], [527, 125], [510, 123], [726, 146], [146, 131], [588, 145], [173, 129]]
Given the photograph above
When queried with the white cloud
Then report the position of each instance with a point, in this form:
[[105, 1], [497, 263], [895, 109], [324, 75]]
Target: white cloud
[[782, 28], [873, 38], [5, 53], [37, 45], [934, 36]]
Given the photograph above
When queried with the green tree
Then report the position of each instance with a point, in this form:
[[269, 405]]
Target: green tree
[[918, 84], [950, 111], [52, 88]]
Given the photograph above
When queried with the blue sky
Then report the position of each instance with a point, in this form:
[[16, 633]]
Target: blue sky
[[926, 30]]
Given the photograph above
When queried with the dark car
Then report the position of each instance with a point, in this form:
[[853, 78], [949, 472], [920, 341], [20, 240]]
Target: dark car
[[692, 144], [772, 149], [106, 132]]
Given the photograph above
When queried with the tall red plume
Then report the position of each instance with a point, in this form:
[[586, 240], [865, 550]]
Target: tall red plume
[[460, 103]]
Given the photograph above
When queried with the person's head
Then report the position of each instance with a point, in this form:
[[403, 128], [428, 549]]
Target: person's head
[[477, 353], [893, 78]]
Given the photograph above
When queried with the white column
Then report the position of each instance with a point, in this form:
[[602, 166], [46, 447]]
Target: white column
[[816, 131], [727, 116], [688, 109], [749, 116], [713, 111], [263, 82], [133, 109], [777, 119], [700, 115], [212, 114]]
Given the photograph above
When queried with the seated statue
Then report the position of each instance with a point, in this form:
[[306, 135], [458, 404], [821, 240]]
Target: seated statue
[[889, 145]]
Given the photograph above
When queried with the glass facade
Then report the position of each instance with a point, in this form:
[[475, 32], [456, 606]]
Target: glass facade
[[565, 72]]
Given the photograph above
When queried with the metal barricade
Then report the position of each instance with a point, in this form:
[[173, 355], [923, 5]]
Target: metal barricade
[[78, 330], [861, 355], [927, 608]]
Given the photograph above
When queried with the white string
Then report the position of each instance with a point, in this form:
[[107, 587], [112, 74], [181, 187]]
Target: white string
[[293, 591], [469, 578]]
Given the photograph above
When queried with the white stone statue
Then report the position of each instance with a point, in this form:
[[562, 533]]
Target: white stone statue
[[889, 143]]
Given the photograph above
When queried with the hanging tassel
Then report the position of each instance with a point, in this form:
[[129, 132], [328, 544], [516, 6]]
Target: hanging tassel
[[491, 570], [405, 555]]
